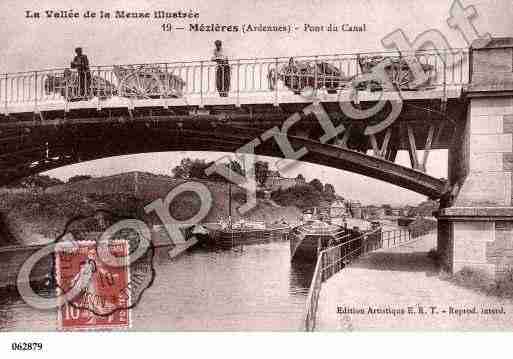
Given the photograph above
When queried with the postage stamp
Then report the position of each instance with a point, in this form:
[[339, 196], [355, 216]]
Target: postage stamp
[[102, 299], [102, 267]]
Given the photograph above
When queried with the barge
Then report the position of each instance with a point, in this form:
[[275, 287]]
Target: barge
[[307, 240], [245, 233], [405, 221]]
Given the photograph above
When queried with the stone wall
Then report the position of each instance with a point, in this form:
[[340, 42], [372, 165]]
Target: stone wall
[[490, 153], [499, 251], [484, 245], [274, 183], [477, 230], [469, 242]]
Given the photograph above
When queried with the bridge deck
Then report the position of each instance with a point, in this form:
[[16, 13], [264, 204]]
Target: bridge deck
[[249, 81], [262, 98]]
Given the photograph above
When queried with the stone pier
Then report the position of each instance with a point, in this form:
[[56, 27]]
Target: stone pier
[[476, 227]]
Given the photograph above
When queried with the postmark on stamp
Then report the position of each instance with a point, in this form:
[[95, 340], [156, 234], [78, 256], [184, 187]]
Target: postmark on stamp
[[103, 265], [99, 301]]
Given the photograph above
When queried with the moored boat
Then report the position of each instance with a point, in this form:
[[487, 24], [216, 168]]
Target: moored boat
[[245, 232], [405, 221], [307, 240]]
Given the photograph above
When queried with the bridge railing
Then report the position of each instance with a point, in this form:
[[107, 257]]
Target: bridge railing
[[333, 259], [265, 76]]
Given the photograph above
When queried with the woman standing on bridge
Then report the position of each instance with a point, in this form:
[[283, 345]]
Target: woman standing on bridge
[[223, 69]]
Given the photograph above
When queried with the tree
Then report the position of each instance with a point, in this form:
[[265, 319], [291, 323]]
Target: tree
[[426, 208], [329, 192], [183, 170], [329, 189], [236, 167], [301, 196], [300, 179], [197, 169], [41, 181], [78, 178], [261, 172], [191, 168], [315, 183]]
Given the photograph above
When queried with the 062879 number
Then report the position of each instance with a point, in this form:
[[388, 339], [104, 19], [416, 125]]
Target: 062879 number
[[23, 346]]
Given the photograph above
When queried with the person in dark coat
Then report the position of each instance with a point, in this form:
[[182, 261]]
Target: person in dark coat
[[81, 63], [222, 70]]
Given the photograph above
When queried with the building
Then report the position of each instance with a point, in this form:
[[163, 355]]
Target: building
[[338, 208], [373, 212], [356, 209], [395, 212], [379, 213], [275, 181]]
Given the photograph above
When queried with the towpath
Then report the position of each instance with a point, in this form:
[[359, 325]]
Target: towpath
[[391, 288]]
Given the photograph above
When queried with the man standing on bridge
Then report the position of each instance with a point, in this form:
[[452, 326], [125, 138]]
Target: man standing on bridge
[[81, 63], [223, 69]]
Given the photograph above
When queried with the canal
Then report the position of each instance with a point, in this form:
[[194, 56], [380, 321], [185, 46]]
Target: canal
[[254, 289]]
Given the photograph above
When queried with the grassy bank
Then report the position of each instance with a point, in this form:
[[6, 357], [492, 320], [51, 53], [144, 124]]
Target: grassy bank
[[422, 225], [477, 280], [32, 217]]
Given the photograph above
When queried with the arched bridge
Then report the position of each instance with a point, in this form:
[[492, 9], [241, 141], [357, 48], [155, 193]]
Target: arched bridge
[[50, 118]]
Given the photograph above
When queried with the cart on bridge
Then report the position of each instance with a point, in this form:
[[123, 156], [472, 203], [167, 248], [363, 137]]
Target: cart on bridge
[[317, 74], [67, 85], [148, 81]]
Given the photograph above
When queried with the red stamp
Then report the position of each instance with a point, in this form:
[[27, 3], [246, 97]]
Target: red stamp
[[93, 294]]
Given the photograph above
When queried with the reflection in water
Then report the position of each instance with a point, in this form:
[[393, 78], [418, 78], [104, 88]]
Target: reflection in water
[[301, 276], [256, 289], [16, 315]]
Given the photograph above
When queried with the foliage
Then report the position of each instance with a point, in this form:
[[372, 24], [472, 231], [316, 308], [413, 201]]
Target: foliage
[[422, 225], [35, 216], [236, 167], [78, 178], [315, 183], [301, 196], [426, 208], [501, 286], [388, 209], [39, 181], [305, 195], [183, 170], [261, 172], [329, 192], [196, 169]]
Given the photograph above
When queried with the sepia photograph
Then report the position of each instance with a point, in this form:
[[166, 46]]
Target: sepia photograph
[[267, 166]]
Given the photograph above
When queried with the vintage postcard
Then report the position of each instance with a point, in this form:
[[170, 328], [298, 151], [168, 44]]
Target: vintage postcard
[[267, 165]]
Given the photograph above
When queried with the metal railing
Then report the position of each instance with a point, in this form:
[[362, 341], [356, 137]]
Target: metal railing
[[264, 76], [333, 259]]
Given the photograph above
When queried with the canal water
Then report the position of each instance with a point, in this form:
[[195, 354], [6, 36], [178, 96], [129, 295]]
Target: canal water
[[254, 289]]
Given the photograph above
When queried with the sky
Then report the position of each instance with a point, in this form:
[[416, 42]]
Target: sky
[[45, 43]]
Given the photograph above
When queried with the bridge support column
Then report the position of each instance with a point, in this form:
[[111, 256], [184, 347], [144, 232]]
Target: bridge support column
[[476, 231]]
